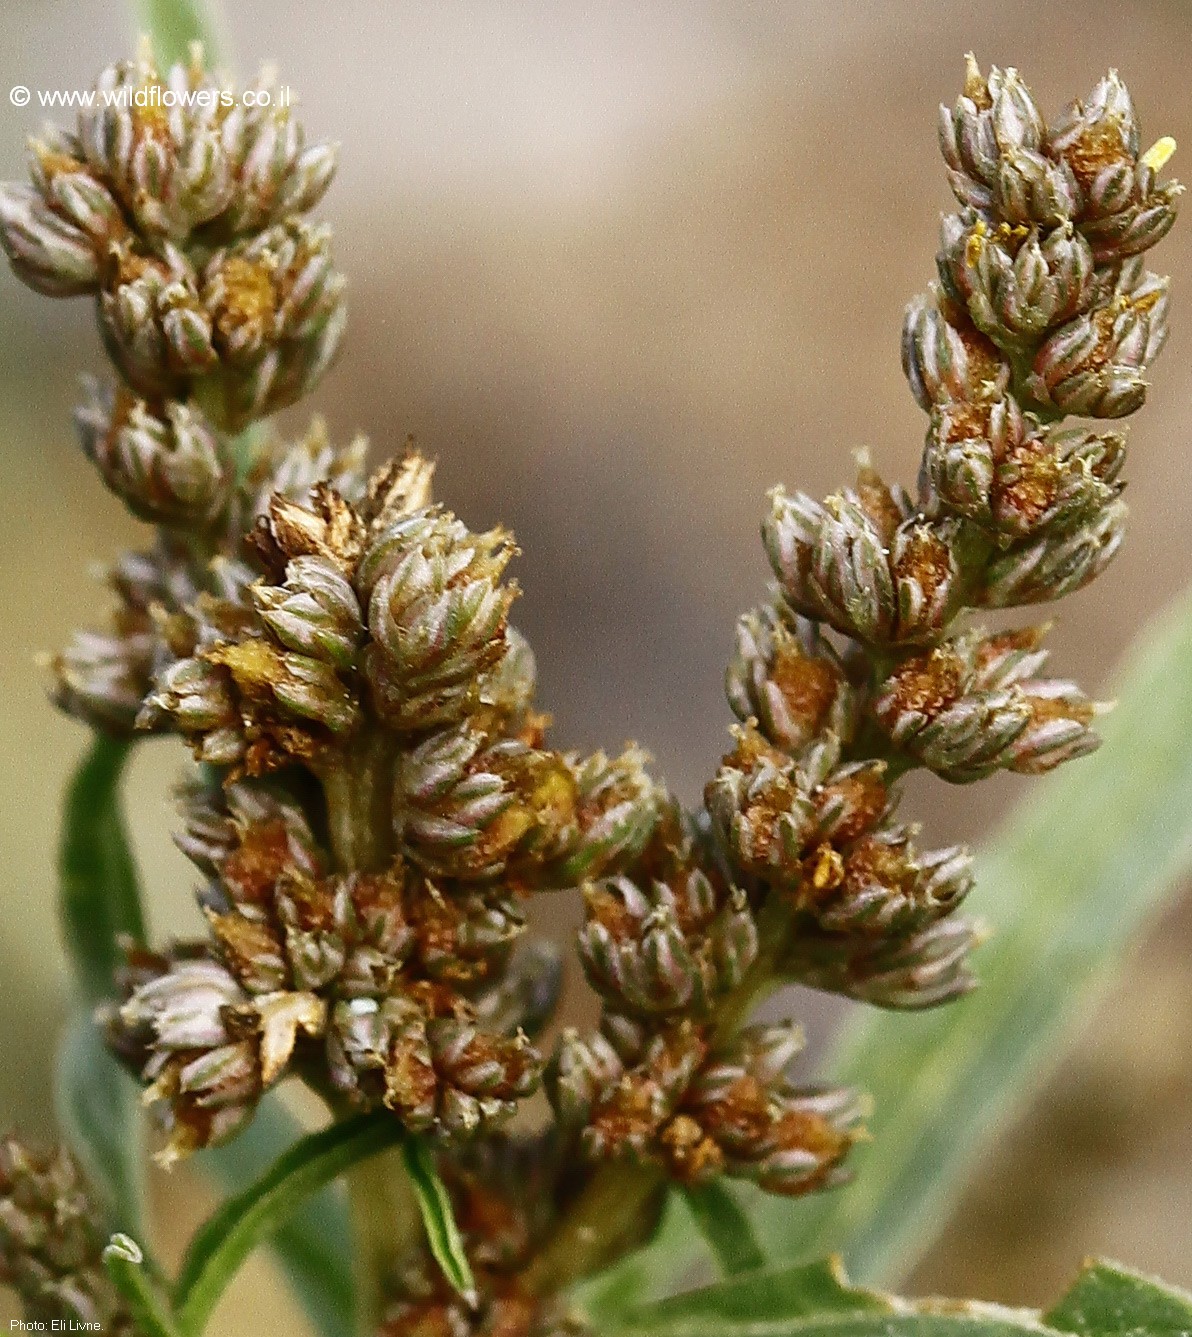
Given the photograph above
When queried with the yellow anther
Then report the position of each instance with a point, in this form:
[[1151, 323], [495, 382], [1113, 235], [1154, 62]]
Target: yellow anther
[[1159, 152], [976, 239], [829, 869]]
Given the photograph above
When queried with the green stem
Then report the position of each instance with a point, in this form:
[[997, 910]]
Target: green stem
[[385, 1219], [602, 1224], [173, 25], [357, 786]]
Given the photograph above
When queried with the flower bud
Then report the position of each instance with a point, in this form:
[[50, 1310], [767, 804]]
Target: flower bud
[[878, 885], [46, 250], [435, 1074], [1056, 482], [666, 946], [786, 676], [835, 564], [154, 324], [482, 1076], [991, 119], [580, 1072], [276, 312], [292, 470], [1095, 366], [761, 811], [1052, 566], [467, 938], [617, 810], [466, 807], [315, 612], [962, 711], [103, 678], [167, 468], [207, 1048], [965, 443], [436, 613], [1014, 282], [759, 1125], [1032, 189], [210, 160], [944, 358], [628, 1116], [1125, 210], [927, 969]]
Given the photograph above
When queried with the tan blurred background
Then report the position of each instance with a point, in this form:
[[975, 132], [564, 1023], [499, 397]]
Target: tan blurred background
[[621, 267]]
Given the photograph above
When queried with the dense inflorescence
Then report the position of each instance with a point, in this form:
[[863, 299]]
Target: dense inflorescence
[[376, 800], [52, 1238]]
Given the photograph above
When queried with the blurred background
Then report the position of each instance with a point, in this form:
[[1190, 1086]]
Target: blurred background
[[621, 268]]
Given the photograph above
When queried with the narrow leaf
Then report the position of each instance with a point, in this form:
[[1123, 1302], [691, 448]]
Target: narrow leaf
[[97, 1108], [1111, 1301], [99, 899], [817, 1289], [125, 1264], [438, 1218], [229, 1236], [1066, 887], [99, 896], [312, 1246], [817, 1300], [725, 1228], [172, 25]]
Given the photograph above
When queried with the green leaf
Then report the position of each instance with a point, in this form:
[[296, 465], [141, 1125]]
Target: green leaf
[[438, 1218], [1110, 1301], [125, 1264], [99, 899], [312, 1246], [1066, 887], [231, 1233], [172, 25], [99, 896], [725, 1227], [811, 1300], [97, 1108], [816, 1300], [781, 1296]]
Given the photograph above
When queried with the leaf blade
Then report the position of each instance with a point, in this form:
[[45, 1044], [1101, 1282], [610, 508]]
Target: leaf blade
[[99, 891], [726, 1229], [97, 1109], [1112, 1301], [438, 1218], [312, 1246], [221, 1245], [816, 1300], [99, 899]]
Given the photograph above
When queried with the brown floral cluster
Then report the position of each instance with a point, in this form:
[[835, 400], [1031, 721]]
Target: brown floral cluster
[[860, 667], [52, 1239], [667, 945]]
